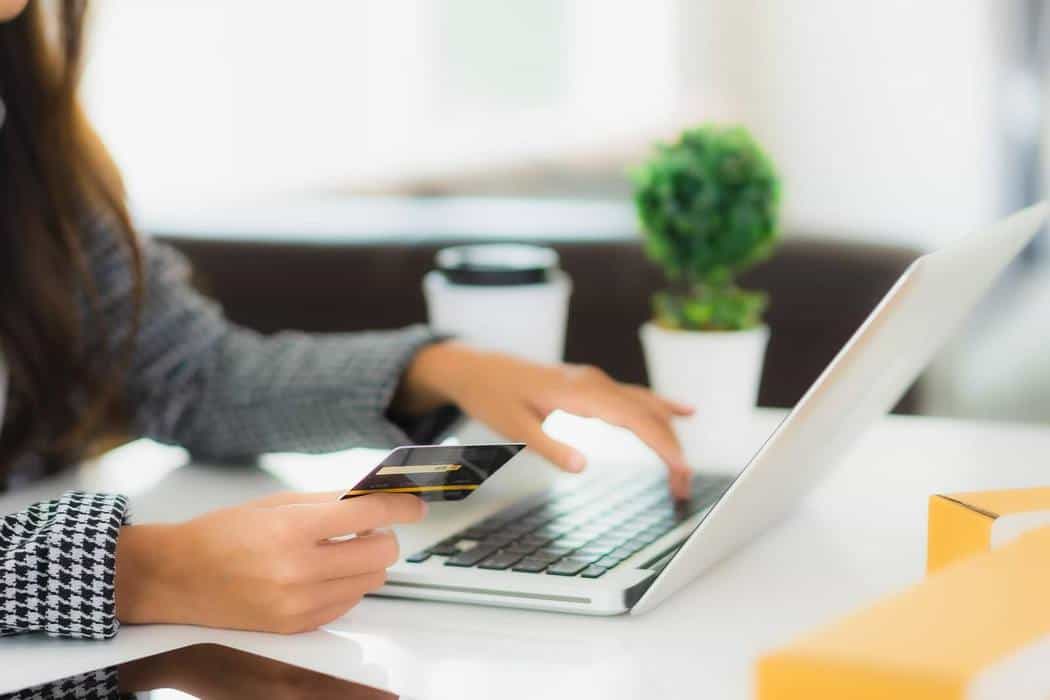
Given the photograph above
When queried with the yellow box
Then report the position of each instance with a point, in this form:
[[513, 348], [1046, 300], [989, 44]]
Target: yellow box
[[964, 524], [977, 630]]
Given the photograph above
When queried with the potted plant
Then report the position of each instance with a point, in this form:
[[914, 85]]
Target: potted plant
[[708, 207]]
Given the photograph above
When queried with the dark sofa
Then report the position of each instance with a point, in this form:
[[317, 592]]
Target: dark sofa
[[820, 290]]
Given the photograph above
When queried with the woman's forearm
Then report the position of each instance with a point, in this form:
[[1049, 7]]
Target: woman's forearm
[[146, 585], [222, 391]]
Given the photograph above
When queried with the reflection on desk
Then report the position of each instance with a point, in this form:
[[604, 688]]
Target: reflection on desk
[[208, 672]]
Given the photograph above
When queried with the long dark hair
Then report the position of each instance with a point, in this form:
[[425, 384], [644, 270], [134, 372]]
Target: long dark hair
[[54, 175]]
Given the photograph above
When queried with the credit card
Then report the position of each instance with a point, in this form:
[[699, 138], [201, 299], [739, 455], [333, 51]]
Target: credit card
[[435, 472]]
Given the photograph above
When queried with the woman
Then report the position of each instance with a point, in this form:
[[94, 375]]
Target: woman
[[96, 322]]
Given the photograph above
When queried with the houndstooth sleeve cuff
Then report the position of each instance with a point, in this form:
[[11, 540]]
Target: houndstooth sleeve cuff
[[58, 564], [102, 684]]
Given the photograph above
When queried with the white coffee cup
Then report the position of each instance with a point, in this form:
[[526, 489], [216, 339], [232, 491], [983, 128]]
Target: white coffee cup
[[507, 297]]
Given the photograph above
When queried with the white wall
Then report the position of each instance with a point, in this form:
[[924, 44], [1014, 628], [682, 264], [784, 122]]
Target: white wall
[[216, 98], [883, 116]]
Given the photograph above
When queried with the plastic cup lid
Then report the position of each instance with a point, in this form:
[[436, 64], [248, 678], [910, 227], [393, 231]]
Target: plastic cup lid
[[497, 264]]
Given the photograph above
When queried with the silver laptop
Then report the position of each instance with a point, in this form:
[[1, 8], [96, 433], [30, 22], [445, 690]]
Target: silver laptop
[[613, 545]]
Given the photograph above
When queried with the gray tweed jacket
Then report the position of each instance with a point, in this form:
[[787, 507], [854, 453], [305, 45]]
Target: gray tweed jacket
[[199, 381]]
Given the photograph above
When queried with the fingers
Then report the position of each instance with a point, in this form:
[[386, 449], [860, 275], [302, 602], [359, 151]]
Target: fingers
[[529, 429], [362, 555], [377, 510], [346, 591], [678, 408], [650, 401], [319, 618], [293, 497], [654, 430], [322, 603], [675, 408], [657, 403], [596, 395], [649, 417], [658, 435], [679, 482]]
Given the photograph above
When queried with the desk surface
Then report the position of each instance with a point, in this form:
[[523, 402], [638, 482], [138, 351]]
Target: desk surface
[[860, 535]]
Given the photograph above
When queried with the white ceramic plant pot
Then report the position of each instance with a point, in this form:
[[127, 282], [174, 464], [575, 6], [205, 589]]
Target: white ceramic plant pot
[[718, 372]]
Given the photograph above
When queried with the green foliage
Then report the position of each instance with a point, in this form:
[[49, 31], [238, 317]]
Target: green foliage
[[710, 308], [708, 206]]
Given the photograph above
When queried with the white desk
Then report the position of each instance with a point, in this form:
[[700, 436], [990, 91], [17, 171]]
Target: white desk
[[859, 536]]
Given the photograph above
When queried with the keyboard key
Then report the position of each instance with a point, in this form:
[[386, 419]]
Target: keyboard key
[[545, 513], [591, 530], [501, 560], [589, 550], [418, 557], [655, 531], [470, 557], [553, 551], [646, 538], [575, 519], [608, 562], [497, 540], [477, 532], [534, 539], [547, 532], [550, 559], [622, 552], [568, 567], [551, 533], [531, 565], [446, 548], [566, 505], [593, 571], [520, 547], [513, 512], [516, 529]]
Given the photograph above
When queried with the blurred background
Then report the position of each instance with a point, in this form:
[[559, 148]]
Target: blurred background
[[350, 139]]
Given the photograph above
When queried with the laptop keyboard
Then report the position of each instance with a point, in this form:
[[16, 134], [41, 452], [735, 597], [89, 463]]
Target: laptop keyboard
[[574, 534]]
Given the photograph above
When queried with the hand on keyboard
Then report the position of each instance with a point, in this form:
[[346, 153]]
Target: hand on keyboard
[[514, 396]]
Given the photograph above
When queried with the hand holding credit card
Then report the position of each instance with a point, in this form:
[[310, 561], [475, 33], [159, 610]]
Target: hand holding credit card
[[436, 472]]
